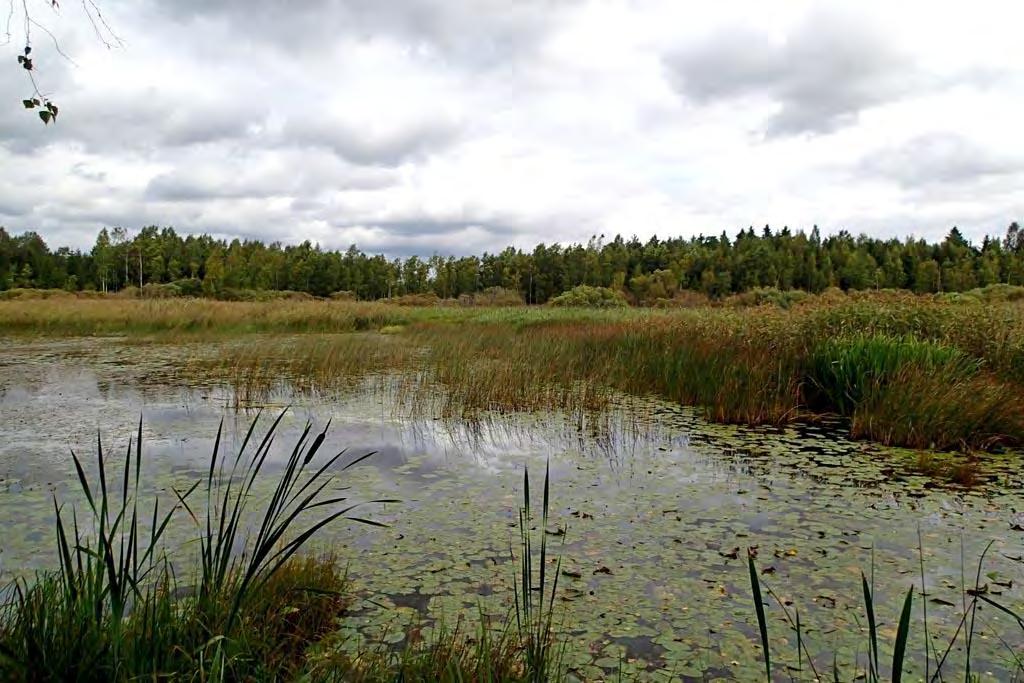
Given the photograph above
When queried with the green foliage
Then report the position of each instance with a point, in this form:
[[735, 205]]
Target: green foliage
[[585, 296], [845, 373], [649, 273], [535, 599], [904, 390]]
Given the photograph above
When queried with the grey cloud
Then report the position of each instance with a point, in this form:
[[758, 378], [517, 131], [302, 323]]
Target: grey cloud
[[367, 146], [262, 174], [939, 159], [104, 122], [480, 32], [821, 76], [187, 186]]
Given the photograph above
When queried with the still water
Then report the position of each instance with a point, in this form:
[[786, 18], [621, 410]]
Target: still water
[[658, 509]]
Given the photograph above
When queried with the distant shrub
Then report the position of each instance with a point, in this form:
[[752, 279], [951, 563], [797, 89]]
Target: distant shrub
[[230, 294], [129, 292], [190, 286], [22, 294], [684, 298], [833, 295], [768, 296], [492, 296], [999, 292], [343, 295], [585, 296], [153, 290], [959, 297], [426, 299]]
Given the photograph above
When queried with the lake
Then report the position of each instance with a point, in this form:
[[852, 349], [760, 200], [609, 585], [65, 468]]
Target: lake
[[653, 510]]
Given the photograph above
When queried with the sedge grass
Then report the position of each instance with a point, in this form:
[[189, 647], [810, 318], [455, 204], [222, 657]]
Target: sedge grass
[[761, 366], [112, 611], [904, 370]]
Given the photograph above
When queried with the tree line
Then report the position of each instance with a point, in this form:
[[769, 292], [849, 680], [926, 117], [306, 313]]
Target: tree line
[[644, 270]]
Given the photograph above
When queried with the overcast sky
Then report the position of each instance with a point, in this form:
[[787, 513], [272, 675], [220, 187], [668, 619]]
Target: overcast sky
[[414, 126]]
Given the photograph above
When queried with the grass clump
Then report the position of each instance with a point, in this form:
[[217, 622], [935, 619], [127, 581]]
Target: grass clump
[[115, 610], [900, 390]]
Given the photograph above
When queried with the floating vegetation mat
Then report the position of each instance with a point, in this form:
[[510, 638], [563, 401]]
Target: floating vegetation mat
[[659, 508]]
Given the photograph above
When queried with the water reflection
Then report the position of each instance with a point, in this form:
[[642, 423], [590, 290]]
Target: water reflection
[[659, 504]]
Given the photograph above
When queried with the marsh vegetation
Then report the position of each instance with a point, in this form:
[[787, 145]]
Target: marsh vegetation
[[699, 458]]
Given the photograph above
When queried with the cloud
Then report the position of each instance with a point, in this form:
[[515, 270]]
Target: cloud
[[940, 158], [262, 174], [478, 33], [372, 144], [415, 126], [819, 77]]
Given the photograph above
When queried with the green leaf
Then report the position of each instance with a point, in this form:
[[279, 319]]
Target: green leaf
[[762, 625], [869, 605], [45, 116], [28, 104], [902, 632]]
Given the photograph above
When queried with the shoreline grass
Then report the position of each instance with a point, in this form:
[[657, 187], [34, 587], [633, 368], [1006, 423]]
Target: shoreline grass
[[920, 372], [915, 378]]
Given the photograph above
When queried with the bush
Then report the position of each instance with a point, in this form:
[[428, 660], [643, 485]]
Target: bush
[[768, 296], [159, 291], [999, 292], [426, 299], [585, 296], [231, 294], [493, 296], [24, 294], [684, 298], [191, 286]]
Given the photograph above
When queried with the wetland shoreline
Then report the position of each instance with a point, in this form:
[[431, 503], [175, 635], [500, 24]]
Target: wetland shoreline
[[639, 483]]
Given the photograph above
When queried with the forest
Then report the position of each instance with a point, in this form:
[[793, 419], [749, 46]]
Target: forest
[[658, 269]]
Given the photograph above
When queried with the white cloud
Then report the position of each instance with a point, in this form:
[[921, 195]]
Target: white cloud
[[427, 125]]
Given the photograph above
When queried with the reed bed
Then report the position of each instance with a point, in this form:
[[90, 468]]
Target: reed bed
[[211, 318], [922, 372], [192, 316], [258, 367], [928, 375]]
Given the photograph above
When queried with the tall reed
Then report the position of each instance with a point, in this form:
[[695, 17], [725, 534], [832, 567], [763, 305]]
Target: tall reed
[[115, 610]]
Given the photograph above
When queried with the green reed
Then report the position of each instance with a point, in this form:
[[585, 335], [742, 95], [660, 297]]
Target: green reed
[[115, 610]]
